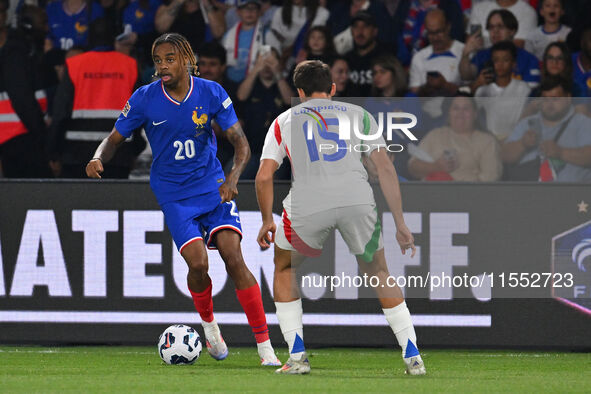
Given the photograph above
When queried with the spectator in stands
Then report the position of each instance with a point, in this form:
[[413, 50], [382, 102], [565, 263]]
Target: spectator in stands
[[32, 25], [339, 70], [366, 47], [268, 9], [390, 86], [244, 40], [434, 69], [458, 152], [262, 96], [198, 20], [410, 19], [502, 26], [577, 17], [138, 18], [582, 65], [89, 99], [22, 103], [537, 138], [212, 66], [550, 31], [318, 45], [556, 61], [341, 16], [290, 24], [527, 16], [504, 98], [68, 22], [389, 78]]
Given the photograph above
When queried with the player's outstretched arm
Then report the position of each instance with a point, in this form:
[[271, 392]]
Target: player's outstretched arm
[[390, 187], [264, 188], [236, 136], [105, 152]]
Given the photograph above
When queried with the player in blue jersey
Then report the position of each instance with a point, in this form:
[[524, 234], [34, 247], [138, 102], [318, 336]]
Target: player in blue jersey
[[176, 112], [68, 22]]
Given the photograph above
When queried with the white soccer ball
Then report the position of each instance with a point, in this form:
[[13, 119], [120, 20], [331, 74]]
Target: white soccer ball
[[179, 344]]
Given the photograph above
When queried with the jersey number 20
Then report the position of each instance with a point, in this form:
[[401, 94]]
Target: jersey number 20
[[188, 148]]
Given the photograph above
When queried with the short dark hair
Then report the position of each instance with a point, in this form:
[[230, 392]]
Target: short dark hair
[[508, 46], [101, 32], [312, 76], [214, 50], [509, 20], [551, 82]]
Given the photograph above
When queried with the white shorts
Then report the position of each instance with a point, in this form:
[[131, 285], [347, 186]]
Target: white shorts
[[359, 226]]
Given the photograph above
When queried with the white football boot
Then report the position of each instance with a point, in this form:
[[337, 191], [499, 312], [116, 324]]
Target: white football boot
[[295, 367], [414, 365]]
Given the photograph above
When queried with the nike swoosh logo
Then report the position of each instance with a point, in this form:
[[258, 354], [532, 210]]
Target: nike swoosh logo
[[156, 124]]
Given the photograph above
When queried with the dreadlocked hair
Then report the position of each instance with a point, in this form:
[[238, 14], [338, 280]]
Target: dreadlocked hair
[[182, 46]]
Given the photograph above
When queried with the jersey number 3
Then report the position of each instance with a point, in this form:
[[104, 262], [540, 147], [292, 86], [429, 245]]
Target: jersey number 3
[[187, 149]]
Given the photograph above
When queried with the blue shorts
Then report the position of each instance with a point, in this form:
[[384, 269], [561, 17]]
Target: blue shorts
[[199, 218]]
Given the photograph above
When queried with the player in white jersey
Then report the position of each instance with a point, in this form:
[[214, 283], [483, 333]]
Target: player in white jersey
[[330, 190]]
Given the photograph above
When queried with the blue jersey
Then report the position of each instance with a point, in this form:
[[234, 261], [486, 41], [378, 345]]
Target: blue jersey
[[183, 143], [527, 68], [65, 30], [582, 78], [139, 19]]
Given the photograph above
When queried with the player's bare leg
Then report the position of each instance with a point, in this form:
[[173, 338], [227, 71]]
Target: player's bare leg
[[289, 310], [200, 287], [396, 312], [248, 293]]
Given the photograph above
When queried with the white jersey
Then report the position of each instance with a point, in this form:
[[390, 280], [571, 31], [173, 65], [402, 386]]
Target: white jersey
[[327, 168]]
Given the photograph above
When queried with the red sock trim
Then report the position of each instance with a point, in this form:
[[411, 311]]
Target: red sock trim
[[252, 303], [203, 304]]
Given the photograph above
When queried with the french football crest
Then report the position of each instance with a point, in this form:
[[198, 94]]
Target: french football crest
[[199, 120], [571, 258]]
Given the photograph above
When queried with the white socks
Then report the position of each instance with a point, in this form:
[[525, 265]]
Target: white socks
[[211, 330], [265, 350], [401, 324], [289, 315]]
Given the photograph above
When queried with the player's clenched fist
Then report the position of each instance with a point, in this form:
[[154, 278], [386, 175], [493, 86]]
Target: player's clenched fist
[[94, 168], [264, 239], [228, 191]]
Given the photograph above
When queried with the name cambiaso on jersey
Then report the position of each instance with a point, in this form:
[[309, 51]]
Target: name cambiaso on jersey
[[319, 138], [180, 135]]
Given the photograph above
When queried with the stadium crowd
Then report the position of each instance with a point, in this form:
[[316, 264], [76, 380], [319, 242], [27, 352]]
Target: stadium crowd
[[499, 86]]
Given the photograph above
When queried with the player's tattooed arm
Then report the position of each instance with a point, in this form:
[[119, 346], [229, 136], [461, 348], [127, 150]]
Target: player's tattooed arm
[[236, 136]]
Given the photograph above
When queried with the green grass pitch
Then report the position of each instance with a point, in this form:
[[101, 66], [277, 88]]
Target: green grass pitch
[[139, 369]]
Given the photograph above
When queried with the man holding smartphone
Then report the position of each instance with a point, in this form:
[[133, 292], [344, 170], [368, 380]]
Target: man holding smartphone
[[434, 69], [244, 41]]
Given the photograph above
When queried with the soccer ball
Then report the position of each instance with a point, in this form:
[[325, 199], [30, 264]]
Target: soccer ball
[[179, 344]]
